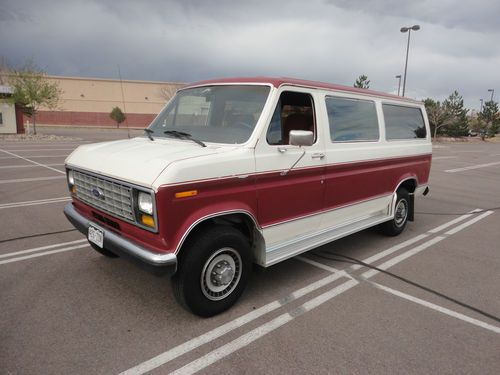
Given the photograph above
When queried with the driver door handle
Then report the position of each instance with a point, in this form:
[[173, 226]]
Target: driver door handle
[[318, 155]]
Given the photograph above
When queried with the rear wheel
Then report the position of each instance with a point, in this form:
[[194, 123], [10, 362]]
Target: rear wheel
[[103, 251], [401, 211], [213, 270]]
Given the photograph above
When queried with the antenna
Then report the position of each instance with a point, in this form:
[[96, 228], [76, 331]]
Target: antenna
[[123, 100]]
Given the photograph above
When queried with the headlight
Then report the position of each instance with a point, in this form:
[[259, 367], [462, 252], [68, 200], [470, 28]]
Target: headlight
[[145, 203]]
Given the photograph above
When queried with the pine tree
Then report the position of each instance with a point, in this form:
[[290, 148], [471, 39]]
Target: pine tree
[[362, 82], [491, 116], [454, 104]]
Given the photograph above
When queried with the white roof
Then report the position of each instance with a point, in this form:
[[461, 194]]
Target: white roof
[[6, 90]]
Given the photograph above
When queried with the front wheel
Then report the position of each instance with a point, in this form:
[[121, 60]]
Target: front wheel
[[213, 270], [398, 223]]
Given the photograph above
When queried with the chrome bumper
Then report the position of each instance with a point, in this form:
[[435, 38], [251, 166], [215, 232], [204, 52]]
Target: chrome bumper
[[157, 263]]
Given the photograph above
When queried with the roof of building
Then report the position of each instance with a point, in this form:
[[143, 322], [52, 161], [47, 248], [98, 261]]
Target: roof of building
[[280, 81]]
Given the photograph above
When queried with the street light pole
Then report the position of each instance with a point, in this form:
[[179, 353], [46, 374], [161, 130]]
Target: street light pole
[[492, 93], [481, 100], [399, 83], [404, 30]]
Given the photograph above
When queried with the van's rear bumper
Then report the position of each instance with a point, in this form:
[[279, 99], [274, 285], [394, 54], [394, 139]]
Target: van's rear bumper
[[158, 263]]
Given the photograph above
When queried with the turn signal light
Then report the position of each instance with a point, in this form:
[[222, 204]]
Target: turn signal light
[[184, 194], [148, 220]]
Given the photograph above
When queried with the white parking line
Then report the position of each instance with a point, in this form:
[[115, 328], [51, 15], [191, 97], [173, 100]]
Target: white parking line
[[227, 349], [32, 250], [441, 309], [468, 223], [262, 330], [34, 203], [33, 162], [478, 166], [11, 260], [34, 156], [28, 166], [39, 149], [214, 334], [443, 157], [31, 179]]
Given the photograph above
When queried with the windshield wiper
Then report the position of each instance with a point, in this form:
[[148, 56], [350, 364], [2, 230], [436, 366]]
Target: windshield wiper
[[149, 132], [183, 135]]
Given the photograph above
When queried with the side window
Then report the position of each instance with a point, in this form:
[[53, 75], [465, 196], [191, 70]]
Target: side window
[[352, 119], [294, 111], [403, 122], [1, 119]]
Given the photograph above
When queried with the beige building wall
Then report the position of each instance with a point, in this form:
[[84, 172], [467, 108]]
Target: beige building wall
[[7, 118], [102, 95]]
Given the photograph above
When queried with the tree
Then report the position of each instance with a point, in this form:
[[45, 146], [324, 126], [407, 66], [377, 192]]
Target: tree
[[454, 104], [32, 90], [479, 125], [362, 82], [438, 114], [166, 92], [117, 115], [491, 116]]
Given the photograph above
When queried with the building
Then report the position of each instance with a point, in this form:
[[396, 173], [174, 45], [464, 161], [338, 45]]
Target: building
[[8, 119], [89, 101]]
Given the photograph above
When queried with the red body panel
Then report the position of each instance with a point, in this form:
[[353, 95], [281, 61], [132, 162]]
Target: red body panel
[[271, 198]]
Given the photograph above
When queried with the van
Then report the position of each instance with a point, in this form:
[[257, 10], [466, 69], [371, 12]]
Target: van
[[242, 171]]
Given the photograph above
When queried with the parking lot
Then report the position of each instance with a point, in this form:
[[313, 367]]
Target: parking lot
[[427, 301]]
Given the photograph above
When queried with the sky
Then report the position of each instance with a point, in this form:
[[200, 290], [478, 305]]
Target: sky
[[457, 47]]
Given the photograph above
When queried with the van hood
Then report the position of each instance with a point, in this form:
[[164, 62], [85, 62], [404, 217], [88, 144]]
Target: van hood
[[137, 160]]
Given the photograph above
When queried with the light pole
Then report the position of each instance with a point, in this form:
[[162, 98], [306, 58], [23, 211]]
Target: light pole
[[492, 93], [404, 30], [481, 100], [399, 83]]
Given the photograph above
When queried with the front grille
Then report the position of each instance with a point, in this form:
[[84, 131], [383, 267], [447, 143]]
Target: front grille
[[105, 195]]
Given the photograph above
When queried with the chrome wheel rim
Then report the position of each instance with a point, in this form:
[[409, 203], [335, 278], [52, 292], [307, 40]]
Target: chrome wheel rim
[[401, 213], [221, 274]]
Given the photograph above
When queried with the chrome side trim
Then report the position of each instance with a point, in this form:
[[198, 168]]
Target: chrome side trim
[[211, 216]]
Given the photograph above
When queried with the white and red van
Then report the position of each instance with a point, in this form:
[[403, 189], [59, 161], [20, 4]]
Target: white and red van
[[249, 170]]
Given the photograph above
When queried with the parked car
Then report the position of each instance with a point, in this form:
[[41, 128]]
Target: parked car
[[249, 170]]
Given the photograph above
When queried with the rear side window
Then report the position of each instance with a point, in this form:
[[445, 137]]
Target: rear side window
[[352, 119], [403, 122]]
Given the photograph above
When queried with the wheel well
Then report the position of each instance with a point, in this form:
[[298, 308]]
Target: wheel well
[[410, 185], [242, 222]]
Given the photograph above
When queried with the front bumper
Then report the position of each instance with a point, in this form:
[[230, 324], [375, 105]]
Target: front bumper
[[158, 263]]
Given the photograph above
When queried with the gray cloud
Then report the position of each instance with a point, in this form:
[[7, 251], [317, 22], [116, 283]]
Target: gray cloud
[[328, 40]]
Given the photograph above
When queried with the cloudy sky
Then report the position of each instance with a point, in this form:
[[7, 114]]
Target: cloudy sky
[[458, 46]]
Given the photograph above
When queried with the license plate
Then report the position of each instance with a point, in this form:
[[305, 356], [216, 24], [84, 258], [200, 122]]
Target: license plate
[[96, 236]]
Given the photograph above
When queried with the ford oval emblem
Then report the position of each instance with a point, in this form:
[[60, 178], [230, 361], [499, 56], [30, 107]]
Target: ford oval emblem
[[96, 192]]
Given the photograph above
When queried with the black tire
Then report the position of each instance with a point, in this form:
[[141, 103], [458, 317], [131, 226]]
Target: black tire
[[197, 285], [395, 226], [103, 251]]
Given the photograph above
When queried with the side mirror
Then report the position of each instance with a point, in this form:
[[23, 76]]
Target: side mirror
[[301, 138]]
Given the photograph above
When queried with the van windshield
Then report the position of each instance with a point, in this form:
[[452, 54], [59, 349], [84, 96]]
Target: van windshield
[[218, 114]]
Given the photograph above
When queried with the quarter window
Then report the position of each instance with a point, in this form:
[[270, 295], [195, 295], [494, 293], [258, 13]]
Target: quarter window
[[403, 122], [352, 119]]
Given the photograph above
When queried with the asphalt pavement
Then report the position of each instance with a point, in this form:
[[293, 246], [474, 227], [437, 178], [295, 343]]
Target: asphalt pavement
[[427, 301]]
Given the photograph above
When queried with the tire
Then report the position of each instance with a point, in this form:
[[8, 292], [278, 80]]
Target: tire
[[395, 226], [213, 270], [103, 251]]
